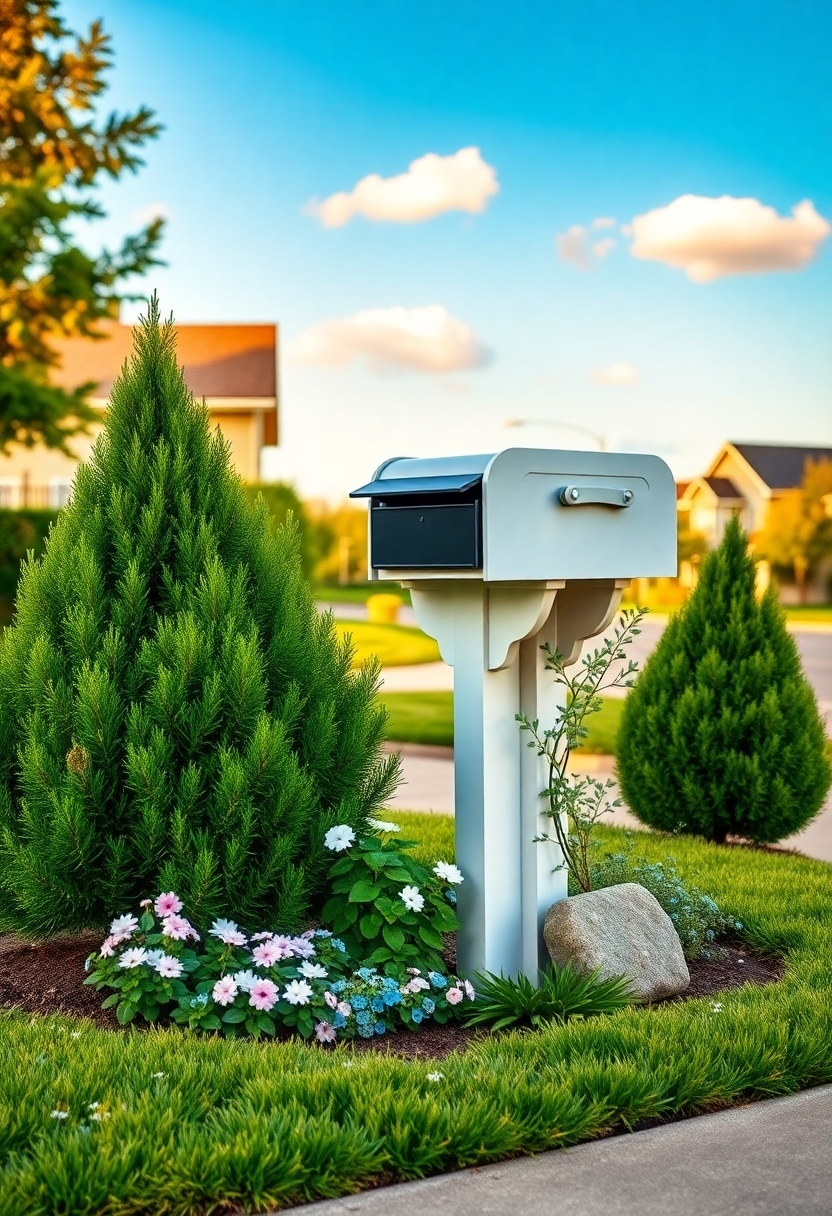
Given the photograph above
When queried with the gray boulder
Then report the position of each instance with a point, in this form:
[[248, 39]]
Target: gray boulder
[[623, 930]]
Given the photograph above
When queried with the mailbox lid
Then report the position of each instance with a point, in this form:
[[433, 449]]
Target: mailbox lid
[[619, 521]]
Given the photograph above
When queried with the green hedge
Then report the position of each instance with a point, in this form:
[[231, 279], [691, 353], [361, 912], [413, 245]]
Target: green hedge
[[19, 532]]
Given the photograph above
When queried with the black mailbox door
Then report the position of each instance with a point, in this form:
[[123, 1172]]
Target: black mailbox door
[[425, 524]]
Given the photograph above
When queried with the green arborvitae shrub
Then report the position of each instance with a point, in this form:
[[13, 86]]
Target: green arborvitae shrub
[[174, 714], [721, 735]]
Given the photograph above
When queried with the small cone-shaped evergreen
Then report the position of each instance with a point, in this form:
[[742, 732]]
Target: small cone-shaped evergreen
[[174, 714], [721, 734]]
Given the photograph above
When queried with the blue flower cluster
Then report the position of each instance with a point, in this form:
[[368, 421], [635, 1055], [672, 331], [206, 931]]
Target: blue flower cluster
[[371, 1004]]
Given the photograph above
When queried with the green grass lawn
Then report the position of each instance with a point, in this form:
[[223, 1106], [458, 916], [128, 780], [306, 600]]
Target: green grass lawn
[[395, 645], [428, 717], [191, 1124], [357, 593], [811, 613]]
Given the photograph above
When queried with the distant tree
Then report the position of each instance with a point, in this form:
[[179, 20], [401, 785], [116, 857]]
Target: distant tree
[[798, 532], [721, 734], [53, 150]]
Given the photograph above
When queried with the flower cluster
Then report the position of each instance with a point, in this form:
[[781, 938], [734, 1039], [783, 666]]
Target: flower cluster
[[390, 911], [367, 1003]]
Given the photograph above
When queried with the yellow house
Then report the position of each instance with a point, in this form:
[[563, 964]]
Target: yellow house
[[742, 479], [233, 367]]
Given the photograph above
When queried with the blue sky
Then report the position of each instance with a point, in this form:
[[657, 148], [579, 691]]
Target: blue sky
[[584, 111]]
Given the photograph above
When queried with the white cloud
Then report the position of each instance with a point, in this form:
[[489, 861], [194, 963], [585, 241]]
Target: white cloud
[[710, 238], [431, 185], [602, 248], [604, 221], [616, 373], [572, 247], [154, 211], [424, 339]]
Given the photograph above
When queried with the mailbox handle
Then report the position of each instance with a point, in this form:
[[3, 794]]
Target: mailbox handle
[[603, 496]]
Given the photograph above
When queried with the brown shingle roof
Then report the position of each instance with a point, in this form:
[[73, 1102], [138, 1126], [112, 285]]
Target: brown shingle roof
[[219, 360]]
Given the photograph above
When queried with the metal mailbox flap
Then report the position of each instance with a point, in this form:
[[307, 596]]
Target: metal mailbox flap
[[388, 487]]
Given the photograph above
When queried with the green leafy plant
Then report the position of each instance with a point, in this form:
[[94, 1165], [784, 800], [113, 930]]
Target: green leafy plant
[[174, 713], [562, 995], [389, 909], [722, 736], [697, 917], [576, 804]]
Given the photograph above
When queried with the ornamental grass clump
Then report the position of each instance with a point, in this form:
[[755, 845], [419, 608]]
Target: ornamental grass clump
[[722, 735], [174, 714]]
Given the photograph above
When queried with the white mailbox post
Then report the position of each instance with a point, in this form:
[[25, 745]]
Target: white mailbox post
[[503, 553]]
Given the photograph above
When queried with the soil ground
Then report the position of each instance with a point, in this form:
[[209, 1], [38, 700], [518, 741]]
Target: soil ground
[[48, 977]]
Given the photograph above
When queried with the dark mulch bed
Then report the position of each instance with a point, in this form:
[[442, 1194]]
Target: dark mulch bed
[[47, 977]]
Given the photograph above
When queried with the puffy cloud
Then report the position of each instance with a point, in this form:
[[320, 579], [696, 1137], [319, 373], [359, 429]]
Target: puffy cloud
[[710, 238], [604, 221], [154, 211], [431, 185], [425, 339], [572, 247], [602, 248], [616, 373]]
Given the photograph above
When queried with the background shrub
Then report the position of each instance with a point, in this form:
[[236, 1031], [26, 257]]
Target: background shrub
[[20, 531], [174, 714], [721, 735]]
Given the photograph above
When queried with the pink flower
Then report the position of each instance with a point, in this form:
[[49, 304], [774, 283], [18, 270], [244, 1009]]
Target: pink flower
[[266, 954], [263, 994], [146, 903], [454, 996], [325, 1032], [178, 928], [261, 937], [413, 971], [224, 991], [331, 1000], [167, 904], [417, 984], [344, 1008], [302, 947], [283, 944], [169, 967], [469, 990], [108, 947], [232, 937], [308, 933]]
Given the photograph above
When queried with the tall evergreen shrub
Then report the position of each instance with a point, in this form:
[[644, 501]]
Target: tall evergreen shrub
[[173, 711], [721, 735]]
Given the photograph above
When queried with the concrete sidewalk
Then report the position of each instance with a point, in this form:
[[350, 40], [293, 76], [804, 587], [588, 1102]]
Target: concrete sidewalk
[[769, 1159]]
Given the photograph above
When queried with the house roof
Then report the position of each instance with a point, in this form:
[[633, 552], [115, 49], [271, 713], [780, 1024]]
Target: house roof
[[780, 466], [219, 360], [723, 487]]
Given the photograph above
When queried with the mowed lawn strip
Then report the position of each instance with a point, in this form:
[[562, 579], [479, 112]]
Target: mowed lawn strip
[[394, 645], [189, 1124], [428, 717]]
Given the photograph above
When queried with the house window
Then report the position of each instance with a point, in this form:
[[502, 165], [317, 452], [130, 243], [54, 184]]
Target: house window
[[9, 492], [60, 489]]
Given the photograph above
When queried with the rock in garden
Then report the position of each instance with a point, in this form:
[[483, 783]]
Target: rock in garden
[[622, 930]]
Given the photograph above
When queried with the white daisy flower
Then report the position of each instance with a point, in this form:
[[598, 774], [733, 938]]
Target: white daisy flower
[[298, 992], [412, 899], [133, 958], [382, 826], [313, 971], [447, 871], [339, 838]]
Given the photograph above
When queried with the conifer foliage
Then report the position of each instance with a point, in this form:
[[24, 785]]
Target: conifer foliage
[[721, 735], [174, 714]]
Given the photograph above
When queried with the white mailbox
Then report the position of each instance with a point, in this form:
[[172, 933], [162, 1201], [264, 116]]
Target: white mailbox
[[502, 554]]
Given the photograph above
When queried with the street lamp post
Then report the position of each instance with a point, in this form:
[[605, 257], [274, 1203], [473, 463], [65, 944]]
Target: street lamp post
[[568, 426]]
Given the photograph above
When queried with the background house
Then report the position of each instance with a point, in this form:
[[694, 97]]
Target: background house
[[233, 367], [743, 479]]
